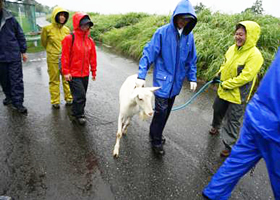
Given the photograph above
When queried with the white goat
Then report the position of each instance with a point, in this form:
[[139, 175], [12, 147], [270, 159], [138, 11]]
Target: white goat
[[132, 100]]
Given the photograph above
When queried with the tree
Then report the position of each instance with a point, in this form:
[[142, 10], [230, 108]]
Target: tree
[[198, 8], [257, 8]]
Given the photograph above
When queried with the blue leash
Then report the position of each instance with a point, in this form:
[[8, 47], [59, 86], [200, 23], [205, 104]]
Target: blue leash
[[193, 97]]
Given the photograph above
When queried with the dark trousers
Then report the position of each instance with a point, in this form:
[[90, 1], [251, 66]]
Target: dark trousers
[[4, 80], [232, 113], [11, 80], [163, 108], [78, 87]]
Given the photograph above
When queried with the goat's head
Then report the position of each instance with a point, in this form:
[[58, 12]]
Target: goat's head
[[143, 98]]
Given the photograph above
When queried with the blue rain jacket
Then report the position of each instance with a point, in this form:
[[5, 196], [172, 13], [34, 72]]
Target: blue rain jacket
[[174, 56], [12, 39], [263, 111]]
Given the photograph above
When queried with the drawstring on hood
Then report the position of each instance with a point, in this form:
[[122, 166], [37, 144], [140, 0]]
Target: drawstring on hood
[[184, 7]]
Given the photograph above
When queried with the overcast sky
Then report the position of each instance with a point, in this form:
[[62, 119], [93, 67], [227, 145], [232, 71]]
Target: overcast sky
[[158, 6]]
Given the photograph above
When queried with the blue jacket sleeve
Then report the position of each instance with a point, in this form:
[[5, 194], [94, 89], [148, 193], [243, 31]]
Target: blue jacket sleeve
[[20, 37], [150, 53], [191, 61]]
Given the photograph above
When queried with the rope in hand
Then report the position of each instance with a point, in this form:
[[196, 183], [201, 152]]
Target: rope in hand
[[202, 89]]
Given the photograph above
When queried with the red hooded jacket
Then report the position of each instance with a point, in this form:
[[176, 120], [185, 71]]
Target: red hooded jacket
[[76, 59]]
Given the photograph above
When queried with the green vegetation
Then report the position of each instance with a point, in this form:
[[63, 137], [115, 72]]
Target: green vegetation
[[31, 48], [25, 23], [129, 33], [34, 49], [136, 36], [213, 33]]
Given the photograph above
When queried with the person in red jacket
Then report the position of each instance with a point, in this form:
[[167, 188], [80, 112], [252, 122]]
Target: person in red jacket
[[78, 59]]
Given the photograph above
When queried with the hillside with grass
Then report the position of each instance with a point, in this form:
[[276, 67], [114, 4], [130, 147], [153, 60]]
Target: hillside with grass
[[129, 33], [213, 34]]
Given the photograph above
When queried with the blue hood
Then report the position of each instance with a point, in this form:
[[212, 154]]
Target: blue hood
[[184, 7], [173, 55]]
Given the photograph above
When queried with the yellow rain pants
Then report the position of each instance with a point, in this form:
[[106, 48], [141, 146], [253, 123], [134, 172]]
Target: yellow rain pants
[[54, 84]]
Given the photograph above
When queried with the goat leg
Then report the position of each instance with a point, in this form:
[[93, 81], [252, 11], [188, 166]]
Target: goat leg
[[119, 135]]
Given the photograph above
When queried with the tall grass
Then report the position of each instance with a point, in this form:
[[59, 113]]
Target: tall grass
[[136, 36], [213, 34], [129, 33], [106, 23]]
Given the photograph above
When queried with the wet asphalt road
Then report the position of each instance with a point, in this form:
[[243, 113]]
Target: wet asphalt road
[[45, 156]]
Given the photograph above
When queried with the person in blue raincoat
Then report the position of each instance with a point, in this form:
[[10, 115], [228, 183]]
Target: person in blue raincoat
[[12, 51], [172, 51], [259, 138]]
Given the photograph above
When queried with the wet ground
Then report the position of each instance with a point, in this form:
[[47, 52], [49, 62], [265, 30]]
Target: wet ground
[[45, 156]]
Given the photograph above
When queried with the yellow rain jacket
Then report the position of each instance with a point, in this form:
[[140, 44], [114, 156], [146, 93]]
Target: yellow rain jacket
[[53, 34], [241, 66]]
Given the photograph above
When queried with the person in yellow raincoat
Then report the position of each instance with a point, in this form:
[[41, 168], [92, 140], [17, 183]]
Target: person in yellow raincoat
[[238, 74], [51, 38]]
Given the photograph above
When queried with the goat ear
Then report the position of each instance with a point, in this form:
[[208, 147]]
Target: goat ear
[[153, 89]]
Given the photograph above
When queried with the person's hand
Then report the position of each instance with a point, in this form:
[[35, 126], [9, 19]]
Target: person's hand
[[93, 78], [24, 57], [216, 79], [221, 84], [140, 82], [193, 86], [68, 77]]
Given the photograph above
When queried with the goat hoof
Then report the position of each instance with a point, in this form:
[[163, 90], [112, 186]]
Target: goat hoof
[[116, 154]]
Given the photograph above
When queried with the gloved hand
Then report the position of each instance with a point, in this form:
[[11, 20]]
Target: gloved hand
[[193, 86], [216, 79], [140, 82]]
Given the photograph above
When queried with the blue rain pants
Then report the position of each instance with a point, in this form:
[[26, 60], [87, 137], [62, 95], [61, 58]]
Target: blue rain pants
[[249, 149]]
